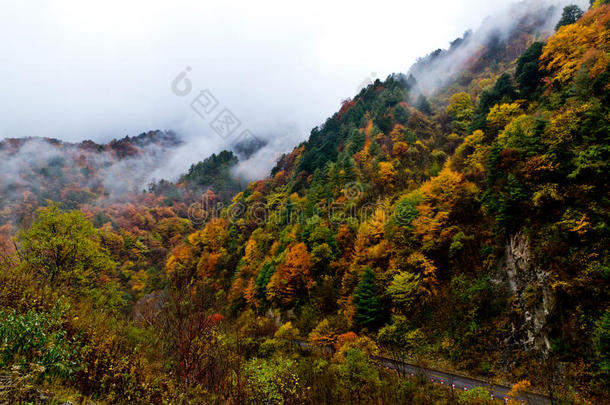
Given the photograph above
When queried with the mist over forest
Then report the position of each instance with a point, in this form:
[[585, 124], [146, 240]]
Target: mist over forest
[[326, 203]]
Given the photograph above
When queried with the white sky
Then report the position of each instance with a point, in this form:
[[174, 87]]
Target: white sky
[[73, 70]]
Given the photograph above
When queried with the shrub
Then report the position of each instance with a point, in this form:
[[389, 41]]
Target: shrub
[[37, 340]]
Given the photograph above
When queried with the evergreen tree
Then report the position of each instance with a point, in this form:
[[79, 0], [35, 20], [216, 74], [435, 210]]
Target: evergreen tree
[[570, 15], [356, 140], [423, 105], [366, 301], [503, 91], [401, 114], [384, 123], [528, 75]]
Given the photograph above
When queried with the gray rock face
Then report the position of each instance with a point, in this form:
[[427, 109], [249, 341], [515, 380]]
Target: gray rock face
[[147, 309], [532, 296]]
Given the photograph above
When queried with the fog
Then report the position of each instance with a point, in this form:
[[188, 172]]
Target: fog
[[433, 71], [72, 70]]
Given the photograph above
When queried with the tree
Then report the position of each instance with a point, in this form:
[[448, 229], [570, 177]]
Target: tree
[[504, 88], [601, 342], [475, 396], [522, 134], [503, 91], [366, 301], [64, 248], [292, 277], [323, 335], [215, 172], [404, 288], [500, 115], [423, 105], [583, 43], [446, 197], [401, 114], [570, 15], [272, 382], [461, 110], [357, 378], [288, 333], [518, 391], [386, 174], [528, 74]]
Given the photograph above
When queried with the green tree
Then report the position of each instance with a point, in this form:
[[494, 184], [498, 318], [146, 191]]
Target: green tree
[[601, 342], [215, 172], [423, 105], [404, 289], [503, 91], [460, 110], [358, 379], [528, 74], [272, 382], [401, 114], [570, 15], [64, 248], [475, 396], [366, 301]]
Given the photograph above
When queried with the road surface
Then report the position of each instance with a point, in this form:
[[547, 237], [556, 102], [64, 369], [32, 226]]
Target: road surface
[[457, 382]]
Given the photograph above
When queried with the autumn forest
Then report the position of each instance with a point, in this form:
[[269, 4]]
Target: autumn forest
[[461, 227]]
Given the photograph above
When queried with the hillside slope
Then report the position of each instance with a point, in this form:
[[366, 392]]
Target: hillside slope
[[474, 231], [460, 223]]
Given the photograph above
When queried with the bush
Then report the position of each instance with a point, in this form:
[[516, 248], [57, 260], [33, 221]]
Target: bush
[[475, 396], [37, 341], [272, 382], [358, 379]]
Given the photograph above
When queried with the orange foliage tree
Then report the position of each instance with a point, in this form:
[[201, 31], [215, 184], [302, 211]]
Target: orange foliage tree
[[292, 277]]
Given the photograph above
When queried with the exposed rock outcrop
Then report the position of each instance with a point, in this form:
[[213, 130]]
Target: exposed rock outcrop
[[530, 290]]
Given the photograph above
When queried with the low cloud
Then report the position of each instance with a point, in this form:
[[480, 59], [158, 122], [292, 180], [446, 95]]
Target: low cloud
[[78, 71]]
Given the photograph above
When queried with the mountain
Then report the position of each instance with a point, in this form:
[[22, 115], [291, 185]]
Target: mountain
[[36, 169], [455, 215]]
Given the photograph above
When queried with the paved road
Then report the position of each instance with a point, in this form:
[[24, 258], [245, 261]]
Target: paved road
[[457, 382], [454, 381]]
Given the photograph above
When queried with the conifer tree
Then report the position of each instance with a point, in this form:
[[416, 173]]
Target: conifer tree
[[570, 15], [366, 301], [423, 105]]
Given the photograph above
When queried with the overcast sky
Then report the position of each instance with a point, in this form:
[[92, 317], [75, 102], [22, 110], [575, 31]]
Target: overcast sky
[[75, 71]]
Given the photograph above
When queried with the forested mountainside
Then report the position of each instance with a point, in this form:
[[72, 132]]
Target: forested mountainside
[[33, 170], [460, 223]]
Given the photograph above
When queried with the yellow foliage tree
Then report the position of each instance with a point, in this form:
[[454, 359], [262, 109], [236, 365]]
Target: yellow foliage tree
[[386, 175], [587, 42], [460, 107], [470, 157], [441, 196], [500, 115], [323, 335]]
